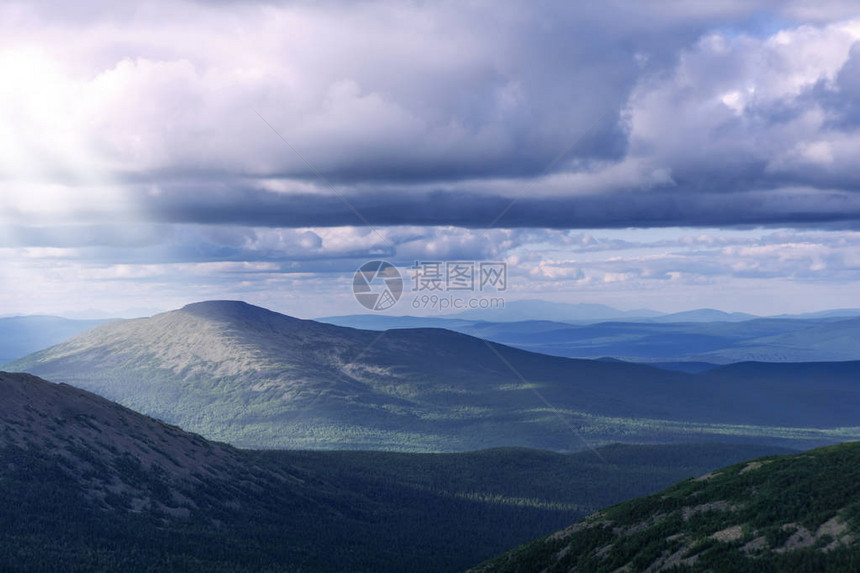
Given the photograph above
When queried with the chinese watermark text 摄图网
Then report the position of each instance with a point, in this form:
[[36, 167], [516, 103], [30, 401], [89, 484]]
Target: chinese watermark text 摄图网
[[438, 285]]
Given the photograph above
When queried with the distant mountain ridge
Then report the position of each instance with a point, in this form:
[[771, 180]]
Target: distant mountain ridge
[[722, 342], [23, 335], [705, 315], [589, 313], [252, 377], [534, 309]]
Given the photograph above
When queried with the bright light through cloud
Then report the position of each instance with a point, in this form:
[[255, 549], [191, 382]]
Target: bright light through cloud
[[44, 121]]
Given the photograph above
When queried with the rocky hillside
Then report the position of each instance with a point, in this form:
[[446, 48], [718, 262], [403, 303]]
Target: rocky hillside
[[788, 513], [255, 378], [106, 458]]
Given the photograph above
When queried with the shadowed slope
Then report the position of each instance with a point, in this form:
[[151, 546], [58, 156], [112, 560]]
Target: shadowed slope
[[791, 513], [90, 485]]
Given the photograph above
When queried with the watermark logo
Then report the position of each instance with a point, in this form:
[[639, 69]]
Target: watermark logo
[[439, 285], [377, 285], [449, 276]]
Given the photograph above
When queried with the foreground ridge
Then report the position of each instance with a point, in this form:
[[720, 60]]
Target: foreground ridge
[[783, 513]]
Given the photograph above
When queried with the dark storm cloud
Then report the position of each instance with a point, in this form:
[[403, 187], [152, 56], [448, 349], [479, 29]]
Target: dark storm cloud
[[658, 208], [706, 127]]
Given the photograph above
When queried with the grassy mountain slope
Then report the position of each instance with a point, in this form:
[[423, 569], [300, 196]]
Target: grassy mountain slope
[[88, 485], [788, 513], [255, 378]]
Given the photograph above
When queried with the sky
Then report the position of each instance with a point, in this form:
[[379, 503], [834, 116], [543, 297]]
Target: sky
[[664, 154]]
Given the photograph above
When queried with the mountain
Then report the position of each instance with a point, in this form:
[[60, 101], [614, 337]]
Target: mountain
[[789, 513], [827, 340], [561, 314], [835, 313], [385, 322], [721, 342], [88, 485], [23, 335], [705, 315], [518, 310], [255, 378], [584, 313]]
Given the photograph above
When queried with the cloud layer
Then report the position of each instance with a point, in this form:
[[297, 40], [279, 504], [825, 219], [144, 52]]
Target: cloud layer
[[622, 114], [188, 150], [308, 271]]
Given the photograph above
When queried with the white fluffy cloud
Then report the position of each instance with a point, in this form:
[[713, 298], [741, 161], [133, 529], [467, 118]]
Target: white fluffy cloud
[[308, 271], [751, 112]]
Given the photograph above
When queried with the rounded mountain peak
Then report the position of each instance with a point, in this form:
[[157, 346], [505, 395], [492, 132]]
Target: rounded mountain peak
[[228, 309]]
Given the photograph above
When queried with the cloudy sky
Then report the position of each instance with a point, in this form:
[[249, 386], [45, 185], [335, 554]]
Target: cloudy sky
[[660, 154]]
